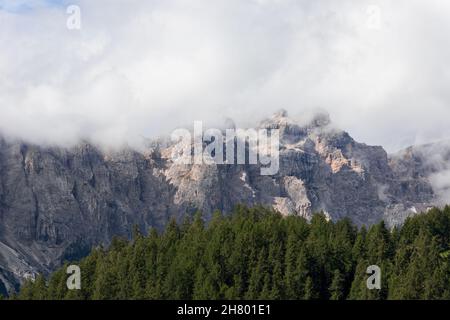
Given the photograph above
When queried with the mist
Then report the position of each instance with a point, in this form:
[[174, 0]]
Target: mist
[[141, 68]]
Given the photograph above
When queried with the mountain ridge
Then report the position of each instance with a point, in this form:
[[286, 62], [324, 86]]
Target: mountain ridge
[[56, 203]]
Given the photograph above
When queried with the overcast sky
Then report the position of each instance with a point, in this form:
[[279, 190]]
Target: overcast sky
[[140, 68]]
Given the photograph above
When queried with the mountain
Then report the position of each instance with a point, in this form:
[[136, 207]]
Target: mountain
[[429, 163], [56, 203]]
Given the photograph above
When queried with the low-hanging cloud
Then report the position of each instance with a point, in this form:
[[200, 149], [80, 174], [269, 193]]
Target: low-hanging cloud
[[141, 68]]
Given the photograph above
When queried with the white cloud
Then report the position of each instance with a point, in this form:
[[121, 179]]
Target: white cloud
[[143, 67]]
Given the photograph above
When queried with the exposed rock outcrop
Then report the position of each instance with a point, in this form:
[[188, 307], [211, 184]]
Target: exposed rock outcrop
[[56, 203]]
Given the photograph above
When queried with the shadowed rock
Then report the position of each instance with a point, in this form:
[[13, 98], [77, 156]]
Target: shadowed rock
[[57, 203]]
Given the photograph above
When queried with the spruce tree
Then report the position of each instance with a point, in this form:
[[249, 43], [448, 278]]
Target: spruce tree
[[310, 292], [337, 286]]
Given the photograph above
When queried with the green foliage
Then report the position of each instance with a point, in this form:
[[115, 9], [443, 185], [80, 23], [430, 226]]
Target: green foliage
[[258, 254], [337, 286]]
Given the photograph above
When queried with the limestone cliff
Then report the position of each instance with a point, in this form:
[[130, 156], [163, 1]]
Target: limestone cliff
[[56, 203]]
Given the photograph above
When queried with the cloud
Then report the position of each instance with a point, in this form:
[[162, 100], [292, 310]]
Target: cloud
[[380, 68], [436, 166]]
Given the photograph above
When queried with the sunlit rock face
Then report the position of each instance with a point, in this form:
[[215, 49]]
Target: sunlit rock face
[[56, 203]]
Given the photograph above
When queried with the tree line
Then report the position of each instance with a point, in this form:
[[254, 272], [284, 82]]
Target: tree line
[[255, 253]]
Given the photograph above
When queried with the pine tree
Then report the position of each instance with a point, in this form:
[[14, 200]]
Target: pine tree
[[151, 263], [359, 290], [57, 286], [277, 287], [420, 279], [257, 278], [337, 286], [137, 268], [265, 293], [106, 285], [360, 246], [310, 292], [39, 288], [235, 291], [27, 290]]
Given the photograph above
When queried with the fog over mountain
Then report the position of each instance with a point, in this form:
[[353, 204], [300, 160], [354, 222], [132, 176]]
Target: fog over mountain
[[57, 203], [380, 68]]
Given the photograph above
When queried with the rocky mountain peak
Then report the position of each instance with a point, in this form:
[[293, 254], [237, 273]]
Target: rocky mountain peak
[[282, 120], [281, 113], [279, 120], [56, 202], [320, 119]]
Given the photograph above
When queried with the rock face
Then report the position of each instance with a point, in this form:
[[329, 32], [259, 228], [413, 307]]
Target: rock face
[[56, 203]]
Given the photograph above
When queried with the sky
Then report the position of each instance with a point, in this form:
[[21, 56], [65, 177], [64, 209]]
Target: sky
[[141, 68]]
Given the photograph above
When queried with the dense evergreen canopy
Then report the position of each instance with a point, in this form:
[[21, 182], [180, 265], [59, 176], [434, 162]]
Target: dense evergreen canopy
[[258, 254]]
